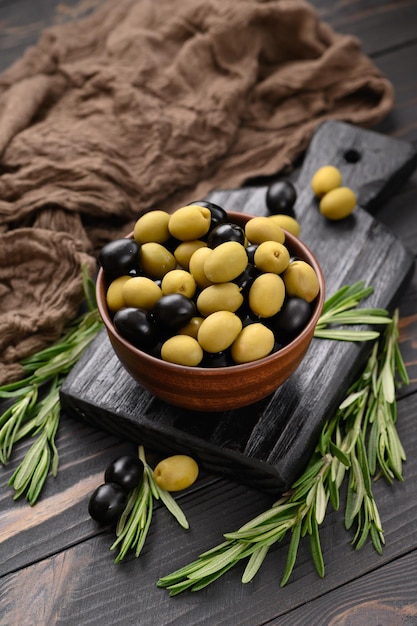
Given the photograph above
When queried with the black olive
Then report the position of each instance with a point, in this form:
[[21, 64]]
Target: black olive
[[218, 215], [292, 318], [217, 359], [225, 232], [281, 197], [250, 251], [126, 471], [119, 257], [173, 311], [107, 503], [246, 278], [137, 326]]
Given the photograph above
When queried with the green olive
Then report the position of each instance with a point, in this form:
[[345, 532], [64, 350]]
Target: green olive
[[114, 295], [182, 350], [338, 203], [190, 222], [226, 262], [178, 281], [196, 266], [301, 281], [325, 179], [254, 342], [260, 229], [286, 221], [141, 292], [156, 260], [266, 295], [176, 472], [152, 226], [185, 250], [218, 331], [192, 327], [219, 297], [271, 256]]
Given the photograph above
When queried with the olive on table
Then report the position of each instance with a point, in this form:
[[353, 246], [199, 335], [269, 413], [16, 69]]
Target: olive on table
[[281, 197], [126, 471], [325, 179], [107, 503], [338, 203], [176, 472]]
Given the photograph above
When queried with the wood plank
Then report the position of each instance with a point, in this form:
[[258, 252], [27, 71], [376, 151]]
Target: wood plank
[[54, 589], [268, 444]]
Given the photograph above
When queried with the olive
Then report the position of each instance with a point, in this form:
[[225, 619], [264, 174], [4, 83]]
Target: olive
[[119, 257], [126, 471], [292, 318], [253, 342], [196, 266], [190, 222], [281, 197], [192, 327], [250, 251], [217, 359], [272, 256], [182, 350], [325, 179], [107, 503], [219, 297], [137, 327], [173, 311], [246, 278], [288, 223], [114, 294], [266, 296], [260, 229], [224, 233], [176, 472], [178, 281], [185, 250], [225, 262], [141, 292], [338, 203], [301, 280], [152, 226], [156, 260], [218, 331], [218, 214]]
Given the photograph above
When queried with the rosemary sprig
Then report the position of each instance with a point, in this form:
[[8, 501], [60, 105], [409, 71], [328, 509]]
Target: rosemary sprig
[[133, 525], [358, 443], [35, 412], [341, 309]]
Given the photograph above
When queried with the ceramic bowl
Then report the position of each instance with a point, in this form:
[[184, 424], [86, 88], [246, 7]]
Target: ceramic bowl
[[221, 388]]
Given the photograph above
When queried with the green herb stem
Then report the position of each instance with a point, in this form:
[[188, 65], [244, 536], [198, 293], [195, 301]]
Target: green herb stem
[[357, 445]]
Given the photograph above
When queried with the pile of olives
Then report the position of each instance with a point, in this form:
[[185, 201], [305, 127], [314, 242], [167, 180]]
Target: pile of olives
[[195, 289], [336, 202], [108, 501]]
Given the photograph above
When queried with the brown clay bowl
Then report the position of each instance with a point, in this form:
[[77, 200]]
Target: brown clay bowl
[[222, 388]]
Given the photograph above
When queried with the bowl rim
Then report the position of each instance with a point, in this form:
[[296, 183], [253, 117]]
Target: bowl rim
[[215, 371]]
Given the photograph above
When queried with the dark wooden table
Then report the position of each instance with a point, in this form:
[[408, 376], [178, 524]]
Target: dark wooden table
[[55, 564]]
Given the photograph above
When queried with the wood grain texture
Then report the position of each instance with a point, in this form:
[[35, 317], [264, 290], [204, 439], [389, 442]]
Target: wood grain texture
[[56, 566], [269, 443]]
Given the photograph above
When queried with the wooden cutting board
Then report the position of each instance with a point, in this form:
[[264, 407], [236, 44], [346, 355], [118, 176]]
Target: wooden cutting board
[[268, 444]]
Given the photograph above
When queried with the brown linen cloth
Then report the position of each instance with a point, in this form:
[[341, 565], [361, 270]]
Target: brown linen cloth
[[148, 104]]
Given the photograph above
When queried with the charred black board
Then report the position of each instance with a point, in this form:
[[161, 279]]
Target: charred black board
[[267, 445]]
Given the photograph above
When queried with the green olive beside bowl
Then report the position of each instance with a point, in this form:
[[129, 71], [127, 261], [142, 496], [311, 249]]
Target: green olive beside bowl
[[217, 388]]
